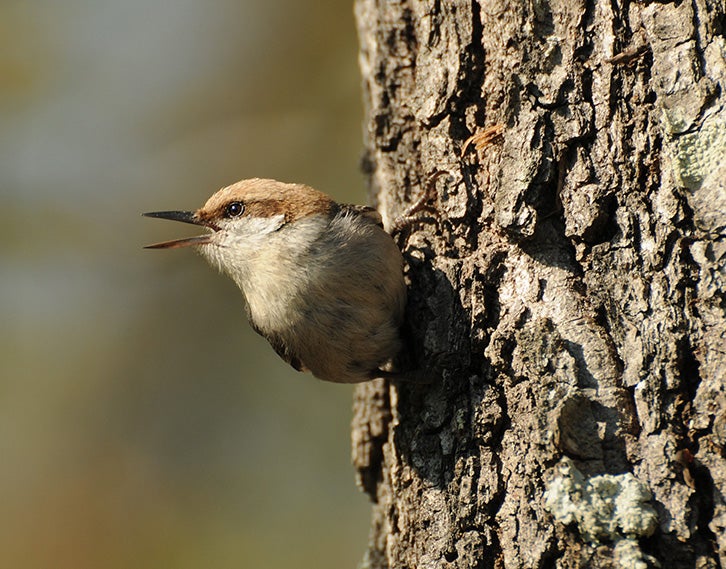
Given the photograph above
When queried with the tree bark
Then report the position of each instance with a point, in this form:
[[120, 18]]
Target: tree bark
[[570, 284]]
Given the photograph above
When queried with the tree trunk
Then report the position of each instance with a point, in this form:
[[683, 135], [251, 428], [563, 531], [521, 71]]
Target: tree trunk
[[570, 284]]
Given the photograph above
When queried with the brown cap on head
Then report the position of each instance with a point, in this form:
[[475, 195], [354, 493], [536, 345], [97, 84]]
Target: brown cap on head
[[266, 198]]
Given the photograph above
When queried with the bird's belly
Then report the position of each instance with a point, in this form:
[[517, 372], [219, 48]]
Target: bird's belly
[[341, 342], [346, 344]]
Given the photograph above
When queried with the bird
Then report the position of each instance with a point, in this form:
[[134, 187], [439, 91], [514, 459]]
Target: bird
[[323, 281]]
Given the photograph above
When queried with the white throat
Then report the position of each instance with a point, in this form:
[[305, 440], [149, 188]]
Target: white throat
[[267, 260]]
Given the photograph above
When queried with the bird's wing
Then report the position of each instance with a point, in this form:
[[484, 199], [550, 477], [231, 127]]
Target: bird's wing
[[364, 211], [281, 348]]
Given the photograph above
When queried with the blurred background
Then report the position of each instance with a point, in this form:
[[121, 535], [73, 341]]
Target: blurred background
[[142, 422]]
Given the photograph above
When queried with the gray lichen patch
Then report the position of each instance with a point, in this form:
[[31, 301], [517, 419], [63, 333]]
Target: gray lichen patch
[[604, 508], [628, 554], [699, 153]]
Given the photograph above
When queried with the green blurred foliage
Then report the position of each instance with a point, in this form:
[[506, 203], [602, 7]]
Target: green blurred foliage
[[142, 423]]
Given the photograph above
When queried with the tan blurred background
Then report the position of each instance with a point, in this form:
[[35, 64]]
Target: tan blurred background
[[142, 423]]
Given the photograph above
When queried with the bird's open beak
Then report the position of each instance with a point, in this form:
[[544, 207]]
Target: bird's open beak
[[185, 217]]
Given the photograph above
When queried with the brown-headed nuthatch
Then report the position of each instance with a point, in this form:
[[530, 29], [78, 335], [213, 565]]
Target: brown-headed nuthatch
[[323, 281]]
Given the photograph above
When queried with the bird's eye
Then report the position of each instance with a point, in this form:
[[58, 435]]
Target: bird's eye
[[234, 209]]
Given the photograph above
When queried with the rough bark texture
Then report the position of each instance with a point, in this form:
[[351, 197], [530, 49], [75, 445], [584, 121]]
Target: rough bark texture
[[572, 283]]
